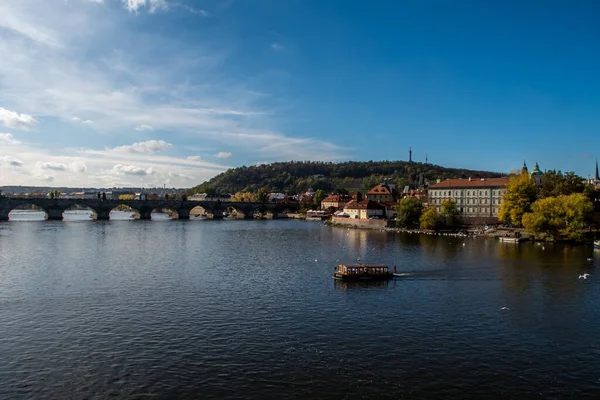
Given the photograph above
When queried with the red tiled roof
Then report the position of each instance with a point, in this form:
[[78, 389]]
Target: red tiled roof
[[473, 183], [364, 205], [335, 198]]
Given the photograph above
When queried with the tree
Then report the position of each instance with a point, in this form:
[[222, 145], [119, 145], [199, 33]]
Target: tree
[[555, 184], [520, 195], [210, 191], [261, 195], [449, 214], [318, 197], [562, 216], [409, 212], [341, 191], [244, 197], [430, 219]]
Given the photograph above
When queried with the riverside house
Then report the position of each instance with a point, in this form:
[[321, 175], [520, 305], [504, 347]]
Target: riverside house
[[364, 209], [335, 202], [383, 192]]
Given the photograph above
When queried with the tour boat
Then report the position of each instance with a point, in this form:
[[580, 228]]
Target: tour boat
[[362, 272], [597, 244]]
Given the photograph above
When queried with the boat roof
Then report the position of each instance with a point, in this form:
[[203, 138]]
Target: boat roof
[[364, 265]]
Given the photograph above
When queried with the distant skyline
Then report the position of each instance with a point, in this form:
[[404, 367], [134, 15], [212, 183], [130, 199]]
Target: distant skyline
[[105, 93]]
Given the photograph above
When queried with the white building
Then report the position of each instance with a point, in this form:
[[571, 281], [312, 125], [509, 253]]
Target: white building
[[474, 197]]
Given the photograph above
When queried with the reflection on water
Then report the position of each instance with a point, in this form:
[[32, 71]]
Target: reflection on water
[[249, 309]]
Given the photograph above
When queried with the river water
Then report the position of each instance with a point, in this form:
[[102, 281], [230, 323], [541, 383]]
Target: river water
[[248, 309]]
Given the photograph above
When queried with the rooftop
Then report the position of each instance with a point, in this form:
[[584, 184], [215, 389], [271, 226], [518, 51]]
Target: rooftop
[[471, 183]]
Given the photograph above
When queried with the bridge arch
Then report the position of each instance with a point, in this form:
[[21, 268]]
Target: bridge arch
[[27, 211], [235, 212], [261, 211], [164, 212], [124, 212], [198, 212], [79, 212]]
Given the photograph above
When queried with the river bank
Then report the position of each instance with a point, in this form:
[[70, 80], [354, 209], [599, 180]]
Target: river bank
[[514, 235]]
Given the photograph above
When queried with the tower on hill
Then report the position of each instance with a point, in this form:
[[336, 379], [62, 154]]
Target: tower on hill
[[409, 154]]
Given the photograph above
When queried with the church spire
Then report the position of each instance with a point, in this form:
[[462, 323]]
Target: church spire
[[524, 170]]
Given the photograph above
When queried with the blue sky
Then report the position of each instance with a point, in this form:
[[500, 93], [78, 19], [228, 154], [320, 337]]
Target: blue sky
[[153, 92]]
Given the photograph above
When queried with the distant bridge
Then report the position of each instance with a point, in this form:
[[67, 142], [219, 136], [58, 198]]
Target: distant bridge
[[101, 209]]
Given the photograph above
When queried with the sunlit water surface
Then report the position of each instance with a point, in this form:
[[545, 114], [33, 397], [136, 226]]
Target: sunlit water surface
[[248, 309]]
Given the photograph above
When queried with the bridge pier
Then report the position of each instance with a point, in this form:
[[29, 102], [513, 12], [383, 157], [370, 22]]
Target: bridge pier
[[145, 214], [183, 214], [55, 214], [102, 215]]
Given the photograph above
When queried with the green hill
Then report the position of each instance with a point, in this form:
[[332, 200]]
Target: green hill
[[296, 177]]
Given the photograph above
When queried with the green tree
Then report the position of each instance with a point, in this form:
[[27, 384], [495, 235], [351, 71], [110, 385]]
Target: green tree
[[450, 217], [520, 195], [409, 212], [430, 219], [210, 191], [318, 197], [555, 183], [261, 195], [562, 216]]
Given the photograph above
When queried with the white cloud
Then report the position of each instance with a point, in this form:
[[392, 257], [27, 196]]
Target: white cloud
[[76, 167], [46, 70], [223, 154], [14, 120], [144, 128], [277, 46], [194, 158], [132, 170], [45, 178], [10, 161], [12, 20], [148, 147], [181, 176], [151, 5], [8, 139], [52, 165]]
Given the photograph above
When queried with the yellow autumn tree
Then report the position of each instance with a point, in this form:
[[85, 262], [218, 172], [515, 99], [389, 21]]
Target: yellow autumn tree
[[561, 216], [517, 200]]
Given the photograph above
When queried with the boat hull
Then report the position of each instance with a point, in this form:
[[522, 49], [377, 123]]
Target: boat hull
[[363, 277]]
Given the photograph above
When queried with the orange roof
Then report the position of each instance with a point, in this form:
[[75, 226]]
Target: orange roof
[[473, 183], [379, 189]]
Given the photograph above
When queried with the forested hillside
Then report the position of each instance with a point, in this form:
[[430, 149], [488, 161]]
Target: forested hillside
[[296, 177]]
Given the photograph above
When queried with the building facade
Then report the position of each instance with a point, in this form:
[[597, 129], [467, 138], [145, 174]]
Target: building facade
[[475, 198], [335, 201], [364, 209], [383, 192]]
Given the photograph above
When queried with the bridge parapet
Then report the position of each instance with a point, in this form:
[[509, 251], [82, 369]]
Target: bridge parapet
[[55, 208]]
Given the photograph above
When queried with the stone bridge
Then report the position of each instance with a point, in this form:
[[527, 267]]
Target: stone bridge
[[54, 208]]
